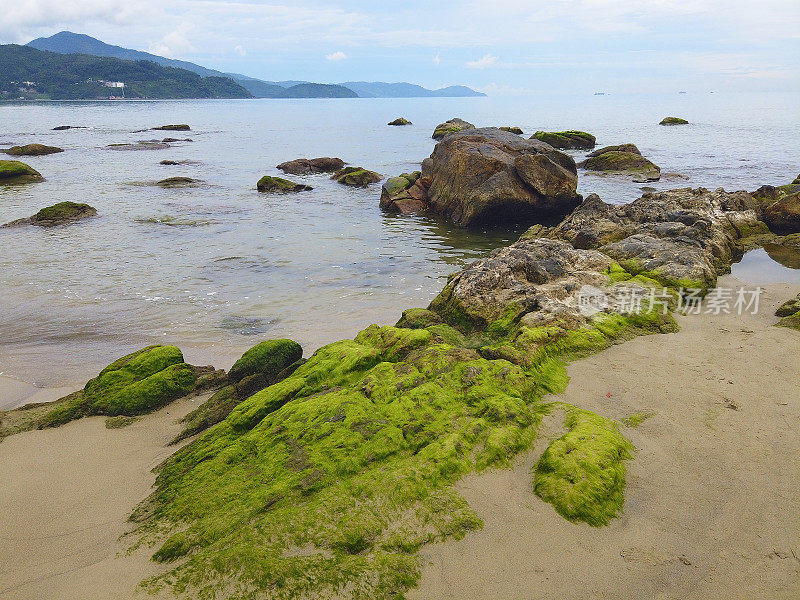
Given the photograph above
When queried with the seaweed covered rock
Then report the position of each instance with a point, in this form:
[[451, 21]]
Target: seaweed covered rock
[[673, 121], [58, 214], [137, 146], [789, 308], [566, 140], [133, 385], [399, 122], [625, 163], [178, 182], [783, 215], [32, 150], [489, 175], [280, 185], [181, 127], [14, 172], [308, 166], [356, 176], [515, 130], [405, 194], [616, 148], [267, 359], [681, 237], [452, 126]]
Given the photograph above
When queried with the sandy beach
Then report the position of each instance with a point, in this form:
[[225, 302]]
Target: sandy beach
[[711, 499]]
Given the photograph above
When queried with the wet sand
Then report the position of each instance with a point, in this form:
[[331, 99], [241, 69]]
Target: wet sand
[[711, 510]]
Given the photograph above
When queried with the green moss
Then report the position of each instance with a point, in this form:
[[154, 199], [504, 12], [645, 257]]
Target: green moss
[[637, 418], [64, 211], [582, 473], [269, 358], [615, 161], [14, 172], [32, 150], [566, 140], [673, 121], [418, 318], [356, 176], [280, 185], [400, 121], [120, 422], [636, 268], [792, 321]]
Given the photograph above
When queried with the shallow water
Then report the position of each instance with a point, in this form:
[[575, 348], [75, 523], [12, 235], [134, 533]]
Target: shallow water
[[215, 268], [771, 264]]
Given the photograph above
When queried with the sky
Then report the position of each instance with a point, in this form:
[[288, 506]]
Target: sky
[[497, 46]]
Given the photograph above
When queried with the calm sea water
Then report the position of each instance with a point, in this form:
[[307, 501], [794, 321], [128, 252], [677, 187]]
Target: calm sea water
[[236, 266]]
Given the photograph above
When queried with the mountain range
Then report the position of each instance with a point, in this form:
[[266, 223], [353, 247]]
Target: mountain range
[[66, 42]]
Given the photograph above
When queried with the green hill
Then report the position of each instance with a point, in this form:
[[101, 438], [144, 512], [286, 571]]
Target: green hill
[[28, 73]]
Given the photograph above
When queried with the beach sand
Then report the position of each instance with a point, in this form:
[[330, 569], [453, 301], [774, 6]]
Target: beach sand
[[711, 509]]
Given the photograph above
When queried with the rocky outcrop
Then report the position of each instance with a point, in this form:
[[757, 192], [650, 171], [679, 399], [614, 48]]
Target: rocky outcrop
[[623, 163], [309, 166], [14, 172], [356, 176], [489, 175], [181, 127], [673, 121], [280, 186], [32, 150], [566, 140], [58, 214], [681, 237], [515, 130], [452, 126], [405, 194], [399, 122], [783, 214]]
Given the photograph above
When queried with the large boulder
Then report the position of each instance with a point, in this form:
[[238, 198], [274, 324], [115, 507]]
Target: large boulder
[[13, 172], [452, 126], [32, 150], [405, 194], [489, 175], [308, 166], [566, 140], [356, 176], [279, 185], [623, 163], [783, 215]]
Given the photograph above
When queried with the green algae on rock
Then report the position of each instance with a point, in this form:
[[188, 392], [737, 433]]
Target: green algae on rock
[[32, 150], [452, 126], [515, 130], [181, 127], [673, 121], [399, 122], [356, 176], [178, 182], [615, 161], [566, 140], [280, 185], [58, 214], [14, 172], [790, 311]]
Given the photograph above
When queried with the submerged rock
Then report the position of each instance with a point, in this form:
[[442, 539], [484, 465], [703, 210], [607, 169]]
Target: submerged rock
[[623, 163], [515, 130], [178, 182], [673, 121], [143, 145], [356, 176], [400, 121], [181, 127], [307, 166], [65, 127], [280, 185], [169, 140], [489, 175], [452, 126], [15, 172], [58, 214], [566, 140], [32, 150]]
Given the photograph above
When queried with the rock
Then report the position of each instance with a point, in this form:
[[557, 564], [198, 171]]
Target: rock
[[169, 162], [280, 185], [514, 130], [169, 140], [133, 385], [305, 166], [789, 307], [32, 150], [400, 122], [404, 194], [489, 175], [682, 238], [178, 162], [65, 127], [143, 145], [172, 128], [796, 180], [452, 126], [618, 148], [566, 140], [15, 172], [177, 182], [356, 176], [626, 163], [58, 214], [783, 215], [268, 359], [673, 121]]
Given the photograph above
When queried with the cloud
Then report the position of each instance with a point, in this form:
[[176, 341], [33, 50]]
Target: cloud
[[437, 60], [176, 42], [336, 56], [488, 60], [240, 50]]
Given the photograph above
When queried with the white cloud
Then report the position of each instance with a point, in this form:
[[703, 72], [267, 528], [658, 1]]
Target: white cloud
[[336, 56], [486, 61], [437, 60], [239, 49]]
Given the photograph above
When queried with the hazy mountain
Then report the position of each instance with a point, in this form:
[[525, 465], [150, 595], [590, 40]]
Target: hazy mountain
[[377, 89]]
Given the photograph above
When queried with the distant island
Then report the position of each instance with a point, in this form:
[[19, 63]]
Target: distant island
[[44, 76]]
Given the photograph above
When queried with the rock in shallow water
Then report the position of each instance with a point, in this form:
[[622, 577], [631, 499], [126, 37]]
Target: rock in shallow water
[[58, 214], [308, 166], [14, 172], [279, 185], [356, 176], [399, 122], [673, 121], [32, 150], [566, 140]]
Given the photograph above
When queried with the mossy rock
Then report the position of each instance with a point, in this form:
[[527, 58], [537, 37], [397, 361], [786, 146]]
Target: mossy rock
[[616, 148], [177, 182], [14, 172], [356, 176], [673, 121], [61, 213], [32, 150], [182, 127], [451, 126], [796, 181], [566, 140], [419, 318], [399, 122], [133, 385], [789, 307], [514, 130], [620, 162], [267, 358], [279, 185]]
